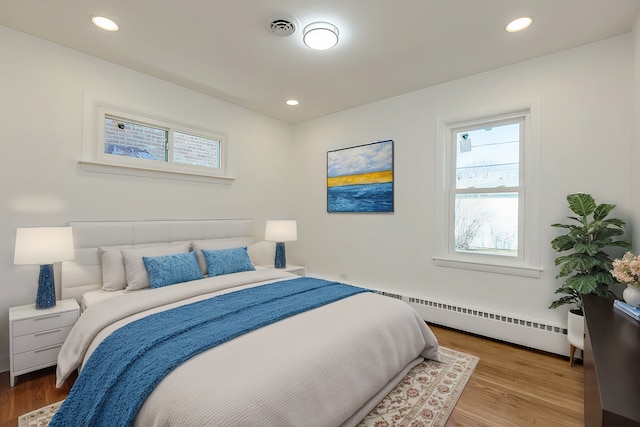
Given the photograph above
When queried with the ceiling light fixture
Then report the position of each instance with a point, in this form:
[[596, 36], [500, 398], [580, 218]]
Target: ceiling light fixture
[[519, 24], [292, 102], [320, 35], [104, 23]]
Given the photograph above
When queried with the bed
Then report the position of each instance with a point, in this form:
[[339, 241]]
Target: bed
[[302, 351]]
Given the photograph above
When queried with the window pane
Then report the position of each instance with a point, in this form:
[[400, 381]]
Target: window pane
[[488, 157], [122, 138], [487, 223], [196, 150]]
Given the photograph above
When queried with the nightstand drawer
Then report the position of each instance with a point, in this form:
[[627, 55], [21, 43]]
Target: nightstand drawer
[[34, 358], [36, 336], [44, 322], [37, 340]]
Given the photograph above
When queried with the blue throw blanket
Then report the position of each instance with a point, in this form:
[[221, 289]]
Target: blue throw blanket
[[126, 367]]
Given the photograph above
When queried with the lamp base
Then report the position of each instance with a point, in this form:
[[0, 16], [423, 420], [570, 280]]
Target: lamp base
[[46, 297], [281, 258]]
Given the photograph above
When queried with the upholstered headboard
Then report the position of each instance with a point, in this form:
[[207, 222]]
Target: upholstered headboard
[[84, 273]]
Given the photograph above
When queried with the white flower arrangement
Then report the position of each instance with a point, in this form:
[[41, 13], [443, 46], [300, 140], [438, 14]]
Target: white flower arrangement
[[627, 270]]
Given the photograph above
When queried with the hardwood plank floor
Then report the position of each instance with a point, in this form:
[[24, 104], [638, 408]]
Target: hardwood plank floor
[[514, 386], [511, 386], [31, 391]]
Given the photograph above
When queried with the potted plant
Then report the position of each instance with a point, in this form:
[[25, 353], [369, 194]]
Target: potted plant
[[585, 265]]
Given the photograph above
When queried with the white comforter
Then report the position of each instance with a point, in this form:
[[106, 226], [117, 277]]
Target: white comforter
[[325, 367]]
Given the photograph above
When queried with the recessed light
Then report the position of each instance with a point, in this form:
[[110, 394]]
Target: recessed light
[[292, 102], [519, 24], [320, 35], [104, 23]]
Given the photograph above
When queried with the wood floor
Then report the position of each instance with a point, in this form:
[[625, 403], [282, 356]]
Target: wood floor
[[511, 386], [31, 391]]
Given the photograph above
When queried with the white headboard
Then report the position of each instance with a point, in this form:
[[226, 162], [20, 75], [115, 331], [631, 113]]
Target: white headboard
[[84, 273]]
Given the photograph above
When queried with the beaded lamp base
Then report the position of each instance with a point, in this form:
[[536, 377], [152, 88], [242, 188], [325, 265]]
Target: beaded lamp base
[[281, 258], [46, 297]]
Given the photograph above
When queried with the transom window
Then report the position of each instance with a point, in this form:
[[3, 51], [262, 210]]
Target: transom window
[[127, 138], [119, 140]]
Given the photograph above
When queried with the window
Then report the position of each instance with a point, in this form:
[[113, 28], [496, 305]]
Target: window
[[120, 141], [489, 209], [136, 140], [128, 139], [486, 188]]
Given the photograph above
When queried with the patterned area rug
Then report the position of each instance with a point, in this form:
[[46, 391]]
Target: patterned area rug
[[424, 398], [427, 394], [39, 417]]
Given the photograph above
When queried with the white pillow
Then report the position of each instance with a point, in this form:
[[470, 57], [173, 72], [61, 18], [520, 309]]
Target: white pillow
[[137, 277], [114, 277], [215, 244]]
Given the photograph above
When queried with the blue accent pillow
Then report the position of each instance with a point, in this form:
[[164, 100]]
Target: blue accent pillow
[[227, 261], [171, 269]]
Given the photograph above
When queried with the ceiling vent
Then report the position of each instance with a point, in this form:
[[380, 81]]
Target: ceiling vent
[[282, 25]]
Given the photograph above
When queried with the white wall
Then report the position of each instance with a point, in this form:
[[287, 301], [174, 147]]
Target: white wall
[[587, 122], [41, 115], [635, 145], [586, 125]]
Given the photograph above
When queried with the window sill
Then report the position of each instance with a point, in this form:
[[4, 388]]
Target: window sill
[[97, 167], [512, 270]]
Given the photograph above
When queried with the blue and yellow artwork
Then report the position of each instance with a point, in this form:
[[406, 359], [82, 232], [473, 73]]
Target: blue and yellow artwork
[[360, 179]]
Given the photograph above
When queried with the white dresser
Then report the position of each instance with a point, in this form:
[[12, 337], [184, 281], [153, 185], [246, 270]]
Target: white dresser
[[35, 336]]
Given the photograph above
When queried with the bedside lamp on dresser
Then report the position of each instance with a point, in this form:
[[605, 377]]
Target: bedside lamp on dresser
[[280, 232], [44, 246], [37, 331]]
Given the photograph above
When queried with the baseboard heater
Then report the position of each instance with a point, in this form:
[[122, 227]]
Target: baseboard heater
[[525, 332]]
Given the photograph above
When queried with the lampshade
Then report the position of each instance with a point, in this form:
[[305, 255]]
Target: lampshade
[[43, 245], [281, 231], [320, 35]]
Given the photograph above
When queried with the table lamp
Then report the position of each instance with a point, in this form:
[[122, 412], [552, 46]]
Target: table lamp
[[44, 246], [280, 232]]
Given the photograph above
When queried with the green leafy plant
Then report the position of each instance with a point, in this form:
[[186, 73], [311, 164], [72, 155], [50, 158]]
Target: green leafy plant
[[587, 267]]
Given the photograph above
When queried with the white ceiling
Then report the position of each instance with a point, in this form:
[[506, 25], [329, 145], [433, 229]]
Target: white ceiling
[[224, 48]]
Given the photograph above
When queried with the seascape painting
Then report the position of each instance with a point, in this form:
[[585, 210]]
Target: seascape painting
[[360, 179]]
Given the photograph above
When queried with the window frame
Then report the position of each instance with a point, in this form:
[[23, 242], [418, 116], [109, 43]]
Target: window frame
[[94, 158], [519, 189], [527, 262]]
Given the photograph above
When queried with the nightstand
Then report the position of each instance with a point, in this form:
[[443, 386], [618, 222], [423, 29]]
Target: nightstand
[[300, 270], [35, 336]]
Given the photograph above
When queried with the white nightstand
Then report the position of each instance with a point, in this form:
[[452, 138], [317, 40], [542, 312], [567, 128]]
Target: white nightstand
[[35, 336], [300, 270]]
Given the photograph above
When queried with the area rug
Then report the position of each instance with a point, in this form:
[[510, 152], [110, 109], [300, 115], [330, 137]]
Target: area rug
[[424, 398], [427, 394]]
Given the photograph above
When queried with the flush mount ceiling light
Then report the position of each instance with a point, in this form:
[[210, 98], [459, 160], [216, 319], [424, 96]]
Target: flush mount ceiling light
[[292, 102], [320, 35], [104, 23], [519, 24]]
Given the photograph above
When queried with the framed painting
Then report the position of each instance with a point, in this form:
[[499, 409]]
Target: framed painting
[[360, 179]]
